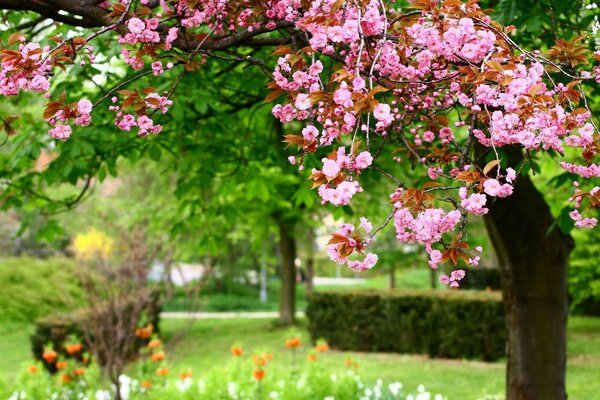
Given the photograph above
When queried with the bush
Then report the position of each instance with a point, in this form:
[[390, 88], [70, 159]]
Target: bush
[[584, 274], [54, 330], [482, 279], [32, 288], [443, 323]]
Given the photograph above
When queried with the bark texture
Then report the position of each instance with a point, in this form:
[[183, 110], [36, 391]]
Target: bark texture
[[533, 263]]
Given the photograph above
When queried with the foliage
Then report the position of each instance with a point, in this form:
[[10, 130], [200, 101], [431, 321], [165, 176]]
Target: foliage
[[54, 331], [438, 323], [584, 274], [32, 288]]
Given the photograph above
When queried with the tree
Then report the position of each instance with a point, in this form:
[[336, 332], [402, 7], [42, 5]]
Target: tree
[[439, 90]]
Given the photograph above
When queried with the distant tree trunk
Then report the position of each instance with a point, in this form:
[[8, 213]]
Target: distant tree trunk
[[310, 263], [392, 277], [432, 278], [167, 274], [533, 265], [287, 252]]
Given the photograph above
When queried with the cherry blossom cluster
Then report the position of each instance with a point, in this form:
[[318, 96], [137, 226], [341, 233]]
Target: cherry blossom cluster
[[143, 104], [447, 58], [349, 240], [24, 69], [593, 198], [60, 114], [333, 185]]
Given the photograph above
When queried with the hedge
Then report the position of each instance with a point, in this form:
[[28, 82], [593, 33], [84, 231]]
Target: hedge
[[55, 329], [482, 279], [440, 323]]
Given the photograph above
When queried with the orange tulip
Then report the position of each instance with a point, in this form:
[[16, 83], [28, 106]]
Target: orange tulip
[[292, 342], [348, 362], [62, 365], [162, 371], [237, 351], [73, 348], [66, 378], [153, 344], [156, 357], [260, 361], [144, 333], [186, 374], [322, 347], [311, 357], [32, 369], [146, 384], [258, 374], [49, 356], [79, 371]]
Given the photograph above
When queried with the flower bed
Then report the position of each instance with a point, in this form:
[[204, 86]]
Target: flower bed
[[244, 377]]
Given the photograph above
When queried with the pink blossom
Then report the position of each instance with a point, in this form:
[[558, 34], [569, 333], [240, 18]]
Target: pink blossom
[[495, 189], [84, 106], [136, 25], [60, 132], [303, 101], [365, 224], [363, 160], [330, 168]]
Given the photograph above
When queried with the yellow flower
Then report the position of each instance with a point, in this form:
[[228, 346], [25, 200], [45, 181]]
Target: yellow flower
[[92, 245]]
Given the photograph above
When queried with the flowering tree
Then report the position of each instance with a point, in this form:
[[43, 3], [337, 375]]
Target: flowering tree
[[435, 87]]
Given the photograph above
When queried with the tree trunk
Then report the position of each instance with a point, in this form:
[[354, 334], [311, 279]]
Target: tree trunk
[[392, 277], [287, 252], [432, 279], [310, 263], [533, 265]]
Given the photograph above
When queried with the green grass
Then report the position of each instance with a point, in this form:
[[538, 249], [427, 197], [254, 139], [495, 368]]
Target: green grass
[[201, 345], [204, 344]]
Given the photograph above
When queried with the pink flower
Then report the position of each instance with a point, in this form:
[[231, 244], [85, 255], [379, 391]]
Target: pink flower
[[136, 25], [60, 132], [428, 136], [363, 160], [144, 122], [382, 112], [435, 257], [303, 102], [496, 189], [475, 204], [330, 168], [366, 225], [84, 106], [511, 175]]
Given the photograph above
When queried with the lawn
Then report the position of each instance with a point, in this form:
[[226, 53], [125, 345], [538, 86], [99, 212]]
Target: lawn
[[204, 344]]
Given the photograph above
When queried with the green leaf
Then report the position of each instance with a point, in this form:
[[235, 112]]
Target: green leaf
[[154, 152]]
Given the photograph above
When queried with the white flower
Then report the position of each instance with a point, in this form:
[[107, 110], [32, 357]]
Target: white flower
[[103, 395], [232, 389]]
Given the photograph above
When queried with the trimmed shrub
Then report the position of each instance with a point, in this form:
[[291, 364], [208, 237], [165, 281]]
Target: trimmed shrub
[[55, 329], [441, 323], [32, 288], [482, 279]]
